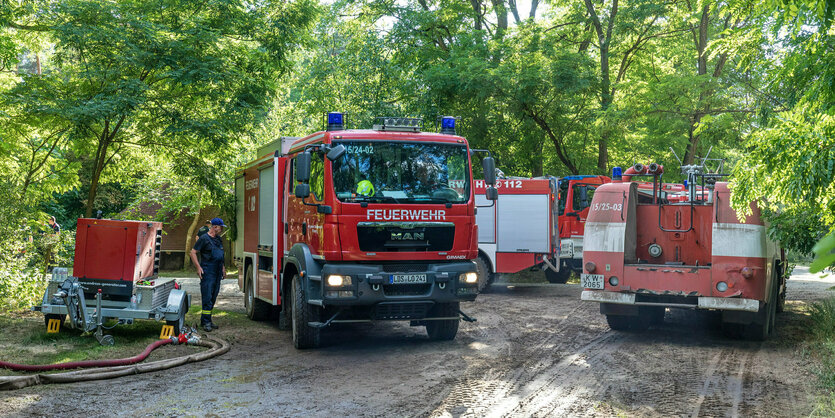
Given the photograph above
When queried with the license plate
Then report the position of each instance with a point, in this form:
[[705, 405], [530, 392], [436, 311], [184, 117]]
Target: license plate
[[407, 278], [591, 281]]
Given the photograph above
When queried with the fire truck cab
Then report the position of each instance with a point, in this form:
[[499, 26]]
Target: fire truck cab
[[360, 225], [575, 196]]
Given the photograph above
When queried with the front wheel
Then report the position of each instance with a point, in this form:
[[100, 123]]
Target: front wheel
[[485, 276], [444, 329], [304, 336]]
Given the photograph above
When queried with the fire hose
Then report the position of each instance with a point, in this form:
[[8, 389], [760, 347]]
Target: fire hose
[[108, 369]]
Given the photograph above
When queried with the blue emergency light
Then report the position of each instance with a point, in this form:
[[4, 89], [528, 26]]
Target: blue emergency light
[[448, 125], [335, 121], [617, 173]]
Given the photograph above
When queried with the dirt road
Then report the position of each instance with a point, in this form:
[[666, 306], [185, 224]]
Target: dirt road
[[535, 351]]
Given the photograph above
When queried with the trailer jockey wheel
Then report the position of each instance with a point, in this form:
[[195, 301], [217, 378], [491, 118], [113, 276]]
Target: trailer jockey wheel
[[304, 336]]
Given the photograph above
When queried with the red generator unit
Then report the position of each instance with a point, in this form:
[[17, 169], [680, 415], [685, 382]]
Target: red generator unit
[[114, 254]]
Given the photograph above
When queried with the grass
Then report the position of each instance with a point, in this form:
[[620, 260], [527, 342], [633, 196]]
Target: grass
[[25, 339], [823, 350]]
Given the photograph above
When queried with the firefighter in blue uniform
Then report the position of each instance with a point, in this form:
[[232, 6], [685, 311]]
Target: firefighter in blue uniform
[[210, 269]]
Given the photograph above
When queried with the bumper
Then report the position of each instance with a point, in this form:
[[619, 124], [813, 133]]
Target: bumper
[[370, 284], [701, 302]]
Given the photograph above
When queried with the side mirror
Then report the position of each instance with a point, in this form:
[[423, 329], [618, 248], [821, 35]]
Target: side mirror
[[492, 193], [303, 169], [489, 166], [584, 196], [302, 190], [336, 152]]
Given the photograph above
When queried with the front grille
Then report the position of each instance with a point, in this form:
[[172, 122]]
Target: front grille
[[407, 310], [405, 237], [407, 289], [403, 268]]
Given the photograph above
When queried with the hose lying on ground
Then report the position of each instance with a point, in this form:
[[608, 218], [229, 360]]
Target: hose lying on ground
[[216, 347], [88, 363]]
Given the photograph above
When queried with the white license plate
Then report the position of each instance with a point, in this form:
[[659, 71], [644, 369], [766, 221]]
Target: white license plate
[[407, 278], [591, 281]]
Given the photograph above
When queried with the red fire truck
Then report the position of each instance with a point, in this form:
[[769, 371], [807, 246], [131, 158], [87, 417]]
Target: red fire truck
[[360, 225], [575, 195], [520, 230], [644, 253]]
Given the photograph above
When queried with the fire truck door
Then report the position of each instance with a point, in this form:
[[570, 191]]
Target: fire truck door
[[523, 223]]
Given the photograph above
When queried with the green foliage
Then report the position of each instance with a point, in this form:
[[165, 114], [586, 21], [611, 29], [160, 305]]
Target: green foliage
[[825, 254]]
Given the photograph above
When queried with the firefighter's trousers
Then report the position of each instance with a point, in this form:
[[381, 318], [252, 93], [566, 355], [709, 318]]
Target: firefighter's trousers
[[209, 289]]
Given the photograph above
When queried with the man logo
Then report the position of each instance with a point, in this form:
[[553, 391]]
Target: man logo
[[407, 236]]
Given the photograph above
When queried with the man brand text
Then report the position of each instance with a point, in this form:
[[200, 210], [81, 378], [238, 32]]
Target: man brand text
[[405, 215], [407, 236]]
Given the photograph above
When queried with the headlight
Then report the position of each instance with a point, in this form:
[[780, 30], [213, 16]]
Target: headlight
[[336, 280], [722, 286], [470, 278]]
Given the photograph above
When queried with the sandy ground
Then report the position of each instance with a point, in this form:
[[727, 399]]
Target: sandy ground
[[536, 350]]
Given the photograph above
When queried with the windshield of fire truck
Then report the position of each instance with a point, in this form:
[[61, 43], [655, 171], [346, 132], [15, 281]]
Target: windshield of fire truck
[[402, 172]]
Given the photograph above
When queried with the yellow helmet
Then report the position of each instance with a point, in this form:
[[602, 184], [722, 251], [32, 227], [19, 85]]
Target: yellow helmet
[[365, 188]]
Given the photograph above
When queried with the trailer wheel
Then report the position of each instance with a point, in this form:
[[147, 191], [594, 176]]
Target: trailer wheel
[[256, 309], [180, 322], [304, 336], [485, 276], [60, 317], [558, 277], [444, 330]]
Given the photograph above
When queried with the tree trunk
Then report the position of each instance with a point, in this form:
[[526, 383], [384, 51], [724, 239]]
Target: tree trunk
[[501, 17], [192, 230]]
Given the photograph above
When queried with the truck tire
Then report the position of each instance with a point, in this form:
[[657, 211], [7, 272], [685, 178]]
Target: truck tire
[[781, 297], [256, 309], [444, 330], [762, 326], [304, 336], [558, 277], [485, 276]]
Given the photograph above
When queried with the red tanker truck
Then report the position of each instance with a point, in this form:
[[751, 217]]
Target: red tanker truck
[[644, 253]]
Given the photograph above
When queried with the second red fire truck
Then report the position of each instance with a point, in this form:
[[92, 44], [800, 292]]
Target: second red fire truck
[[360, 225], [647, 251]]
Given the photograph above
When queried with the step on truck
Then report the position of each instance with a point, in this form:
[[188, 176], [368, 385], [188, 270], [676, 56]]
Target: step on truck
[[520, 231], [645, 252], [348, 226]]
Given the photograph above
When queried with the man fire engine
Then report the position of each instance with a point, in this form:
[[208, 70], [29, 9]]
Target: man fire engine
[[360, 225], [644, 253]]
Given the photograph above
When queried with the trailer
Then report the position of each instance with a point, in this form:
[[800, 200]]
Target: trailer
[[520, 231], [114, 277], [361, 225], [645, 253]]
